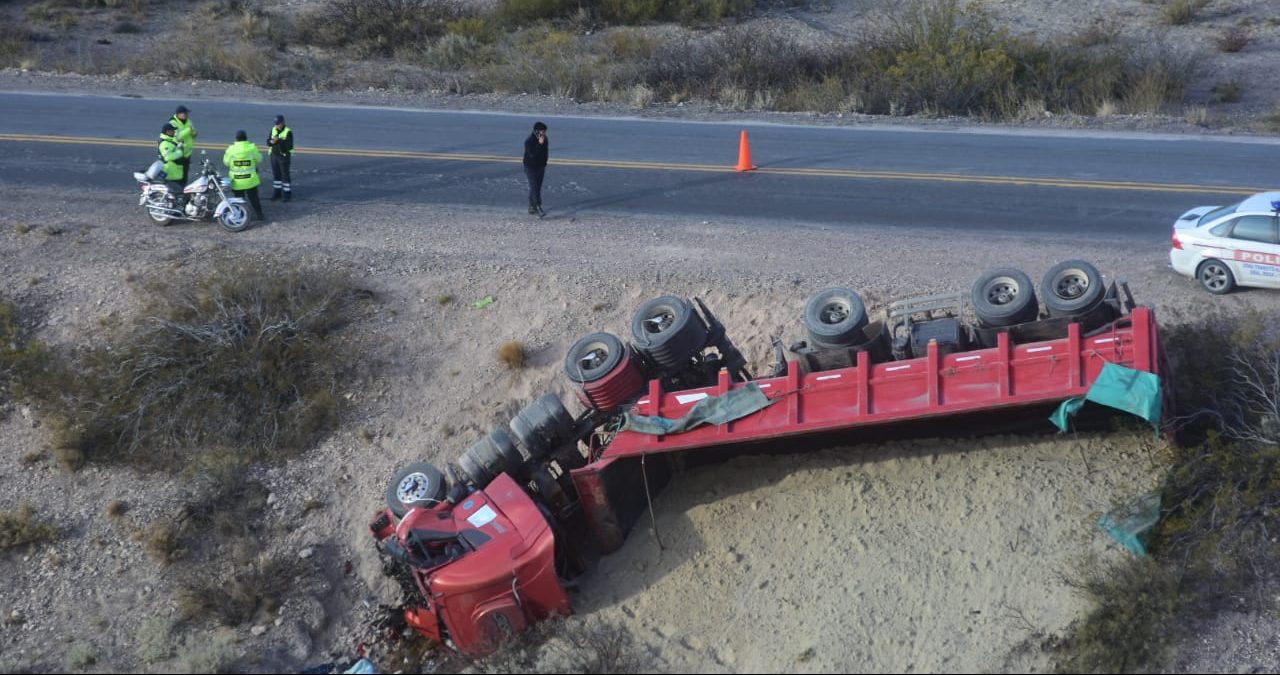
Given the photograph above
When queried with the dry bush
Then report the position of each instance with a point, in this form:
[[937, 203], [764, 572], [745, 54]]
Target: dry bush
[[563, 645], [512, 355], [21, 357], [1271, 121], [154, 640], [1182, 12], [378, 27], [236, 366], [218, 653], [162, 541], [249, 593], [1103, 30], [19, 527], [15, 45], [1230, 91], [1220, 500], [1234, 39], [116, 508]]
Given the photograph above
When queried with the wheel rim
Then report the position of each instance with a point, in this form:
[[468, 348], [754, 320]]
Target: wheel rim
[[235, 216], [595, 356], [1071, 284], [157, 215], [659, 321], [1002, 291], [834, 313], [1214, 277], [413, 488]]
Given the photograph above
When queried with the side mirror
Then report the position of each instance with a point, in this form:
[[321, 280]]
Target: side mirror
[[203, 152]]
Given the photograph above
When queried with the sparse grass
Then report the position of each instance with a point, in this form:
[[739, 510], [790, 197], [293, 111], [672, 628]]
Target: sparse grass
[[22, 228], [312, 505], [378, 27], [1234, 39], [1198, 116], [444, 299], [32, 456], [219, 370], [251, 593], [600, 307], [1182, 12], [15, 45], [126, 27], [20, 527], [1230, 91], [512, 355]]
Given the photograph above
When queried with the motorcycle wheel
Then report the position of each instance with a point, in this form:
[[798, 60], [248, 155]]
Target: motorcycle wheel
[[235, 218], [158, 216]]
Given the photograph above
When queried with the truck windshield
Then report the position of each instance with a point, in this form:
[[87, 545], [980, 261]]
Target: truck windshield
[[1218, 213]]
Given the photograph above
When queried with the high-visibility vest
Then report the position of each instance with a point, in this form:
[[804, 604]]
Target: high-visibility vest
[[170, 152], [242, 159], [186, 132]]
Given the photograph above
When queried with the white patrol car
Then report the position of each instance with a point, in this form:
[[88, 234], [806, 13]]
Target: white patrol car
[[1226, 246]]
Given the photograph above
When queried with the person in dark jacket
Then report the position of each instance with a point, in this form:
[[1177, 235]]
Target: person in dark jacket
[[536, 151], [281, 142]]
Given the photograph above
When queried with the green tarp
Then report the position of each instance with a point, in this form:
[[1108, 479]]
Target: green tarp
[[1133, 391], [710, 410], [1130, 523]]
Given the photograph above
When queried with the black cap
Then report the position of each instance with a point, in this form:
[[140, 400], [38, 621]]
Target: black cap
[[167, 128], [539, 126], [181, 109], [241, 135], [279, 119]]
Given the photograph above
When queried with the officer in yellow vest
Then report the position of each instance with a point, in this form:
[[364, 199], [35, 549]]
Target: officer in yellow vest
[[186, 134], [242, 159], [170, 150], [281, 142]]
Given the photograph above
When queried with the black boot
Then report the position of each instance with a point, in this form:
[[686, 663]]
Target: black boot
[[288, 195], [275, 194]]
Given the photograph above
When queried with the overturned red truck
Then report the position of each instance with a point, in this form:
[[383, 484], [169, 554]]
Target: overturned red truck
[[486, 552]]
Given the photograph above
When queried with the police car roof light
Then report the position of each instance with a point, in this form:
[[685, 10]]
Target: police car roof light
[[1275, 206]]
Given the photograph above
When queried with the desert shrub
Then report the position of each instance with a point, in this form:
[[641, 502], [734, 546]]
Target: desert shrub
[[1233, 39], [544, 60], [685, 11], [20, 527], [1270, 121], [251, 592], [512, 355], [530, 11], [378, 27], [15, 45], [154, 640], [1182, 12], [1100, 31], [1138, 604], [1220, 500], [1230, 91], [231, 367], [218, 653], [21, 357]]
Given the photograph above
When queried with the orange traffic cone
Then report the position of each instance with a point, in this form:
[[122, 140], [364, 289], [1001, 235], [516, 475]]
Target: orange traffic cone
[[744, 154]]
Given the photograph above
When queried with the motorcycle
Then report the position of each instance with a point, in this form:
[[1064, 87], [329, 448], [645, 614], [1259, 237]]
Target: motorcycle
[[206, 196]]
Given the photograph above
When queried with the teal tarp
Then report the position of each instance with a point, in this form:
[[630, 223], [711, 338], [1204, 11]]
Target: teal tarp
[[1133, 391], [1130, 523], [711, 410]]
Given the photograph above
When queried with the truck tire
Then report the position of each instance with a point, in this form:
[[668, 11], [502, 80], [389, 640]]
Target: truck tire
[[1071, 288], [835, 317], [1004, 297], [541, 426], [417, 485], [668, 332], [593, 357]]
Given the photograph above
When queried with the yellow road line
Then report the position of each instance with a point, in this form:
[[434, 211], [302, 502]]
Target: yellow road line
[[706, 168]]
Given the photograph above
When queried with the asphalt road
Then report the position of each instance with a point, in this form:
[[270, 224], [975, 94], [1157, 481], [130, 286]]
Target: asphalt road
[[1052, 185]]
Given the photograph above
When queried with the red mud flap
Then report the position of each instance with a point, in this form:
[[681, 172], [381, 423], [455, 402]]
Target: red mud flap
[[612, 492]]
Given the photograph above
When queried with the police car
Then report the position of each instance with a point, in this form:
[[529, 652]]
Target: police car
[[1228, 246]]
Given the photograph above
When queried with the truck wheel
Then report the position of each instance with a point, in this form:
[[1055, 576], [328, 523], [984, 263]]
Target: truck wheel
[[542, 425], [1004, 297], [1216, 277], [1071, 288], [667, 330], [418, 485], [835, 317]]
